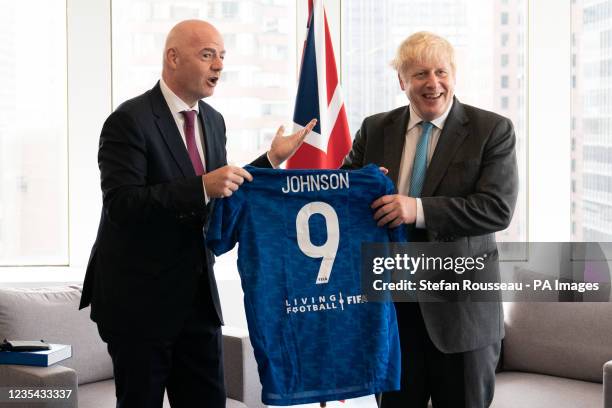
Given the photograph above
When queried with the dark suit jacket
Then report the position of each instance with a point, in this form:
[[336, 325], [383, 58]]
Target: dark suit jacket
[[149, 259], [469, 193]]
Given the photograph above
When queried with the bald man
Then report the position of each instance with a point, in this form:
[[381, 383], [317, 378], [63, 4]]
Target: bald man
[[150, 279]]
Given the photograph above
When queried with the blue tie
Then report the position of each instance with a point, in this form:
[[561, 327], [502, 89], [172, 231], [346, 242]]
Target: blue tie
[[419, 166]]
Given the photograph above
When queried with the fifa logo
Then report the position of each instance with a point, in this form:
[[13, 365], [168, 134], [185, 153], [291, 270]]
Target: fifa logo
[[322, 303]]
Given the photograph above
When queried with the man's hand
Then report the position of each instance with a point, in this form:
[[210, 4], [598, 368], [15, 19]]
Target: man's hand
[[394, 210], [283, 147], [224, 181]]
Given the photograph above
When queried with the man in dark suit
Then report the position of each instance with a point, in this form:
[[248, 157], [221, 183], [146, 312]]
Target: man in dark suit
[[455, 169], [150, 279]]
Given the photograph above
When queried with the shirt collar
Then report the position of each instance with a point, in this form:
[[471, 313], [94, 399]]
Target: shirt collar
[[437, 122], [175, 103]]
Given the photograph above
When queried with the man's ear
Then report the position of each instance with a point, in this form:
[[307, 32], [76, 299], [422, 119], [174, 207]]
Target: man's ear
[[171, 57], [401, 82]]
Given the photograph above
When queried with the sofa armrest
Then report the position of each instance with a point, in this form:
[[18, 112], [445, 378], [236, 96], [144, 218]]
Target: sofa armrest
[[55, 377], [607, 384], [241, 376]]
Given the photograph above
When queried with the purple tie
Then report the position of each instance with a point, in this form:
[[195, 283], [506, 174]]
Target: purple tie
[[192, 148]]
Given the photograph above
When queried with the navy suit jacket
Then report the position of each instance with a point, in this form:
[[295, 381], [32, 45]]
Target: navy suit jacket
[[149, 260], [469, 193]]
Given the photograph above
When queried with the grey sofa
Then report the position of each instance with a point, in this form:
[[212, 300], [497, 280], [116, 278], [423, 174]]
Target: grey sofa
[[556, 355], [52, 314]]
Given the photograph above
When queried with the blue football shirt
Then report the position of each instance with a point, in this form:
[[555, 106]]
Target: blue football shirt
[[300, 232]]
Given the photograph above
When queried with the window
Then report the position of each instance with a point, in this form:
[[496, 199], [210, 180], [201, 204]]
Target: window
[[259, 88], [179, 12], [33, 137], [34, 234], [591, 104], [504, 18], [504, 39], [372, 31], [504, 81], [258, 84], [504, 60], [504, 102], [230, 10]]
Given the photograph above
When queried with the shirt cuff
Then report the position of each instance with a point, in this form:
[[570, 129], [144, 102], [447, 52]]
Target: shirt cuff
[[206, 198], [420, 217], [271, 164]]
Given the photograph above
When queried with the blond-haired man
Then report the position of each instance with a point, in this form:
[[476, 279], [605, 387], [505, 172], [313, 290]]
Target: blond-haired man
[[454, 166]]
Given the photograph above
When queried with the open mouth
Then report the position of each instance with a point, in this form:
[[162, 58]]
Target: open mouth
[[433, 96], [212, 81]]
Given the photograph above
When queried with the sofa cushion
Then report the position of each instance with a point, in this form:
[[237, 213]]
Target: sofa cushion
[[53, 314], [569, 340], [99, 394], [514, 389]]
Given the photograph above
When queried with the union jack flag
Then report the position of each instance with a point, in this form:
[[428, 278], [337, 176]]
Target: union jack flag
[[319, 96]]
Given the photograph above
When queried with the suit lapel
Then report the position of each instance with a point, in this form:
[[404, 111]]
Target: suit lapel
[[209, 139], [169, 132], [394, 139], [450, 140]]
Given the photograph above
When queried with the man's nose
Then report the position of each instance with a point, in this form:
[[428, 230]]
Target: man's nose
[[431, 80], [217, 64]]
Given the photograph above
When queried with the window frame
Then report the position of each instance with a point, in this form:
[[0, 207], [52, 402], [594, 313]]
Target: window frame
[[89, 41]]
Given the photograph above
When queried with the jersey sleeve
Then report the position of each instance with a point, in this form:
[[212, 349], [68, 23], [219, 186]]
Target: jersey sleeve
[[224, 228], [397, 234]]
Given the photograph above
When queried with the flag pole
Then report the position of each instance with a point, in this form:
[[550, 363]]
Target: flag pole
[[322, 404], [310, 10]]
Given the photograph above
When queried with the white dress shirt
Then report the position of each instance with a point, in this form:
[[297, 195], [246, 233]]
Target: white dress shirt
[[177, 105], [413, 133]]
